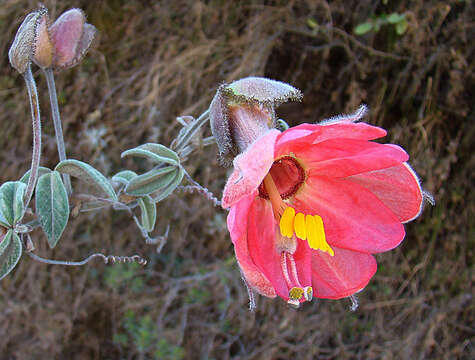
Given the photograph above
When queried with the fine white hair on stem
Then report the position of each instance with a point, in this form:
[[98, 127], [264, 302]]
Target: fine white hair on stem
[[107, 258], [354, 117], [428, 197], [354, 302], [250, 293]]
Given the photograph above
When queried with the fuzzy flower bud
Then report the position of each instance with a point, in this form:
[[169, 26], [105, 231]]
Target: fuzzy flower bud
[[43, 55], [71, 37], [244, 110], [23, 46]]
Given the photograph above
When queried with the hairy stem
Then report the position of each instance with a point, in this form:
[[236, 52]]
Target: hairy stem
[[120, 259], [35, 115], [58, 129], [190, 131]]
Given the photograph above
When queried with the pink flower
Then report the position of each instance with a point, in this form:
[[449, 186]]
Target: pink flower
[[309, 206]]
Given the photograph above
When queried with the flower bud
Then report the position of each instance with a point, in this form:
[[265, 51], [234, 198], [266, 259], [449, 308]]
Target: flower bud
[[23, 46], [71, 37], [244, 110], [43, 56]]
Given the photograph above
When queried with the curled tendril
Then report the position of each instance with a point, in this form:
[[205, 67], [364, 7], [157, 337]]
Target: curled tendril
[[107, 258]]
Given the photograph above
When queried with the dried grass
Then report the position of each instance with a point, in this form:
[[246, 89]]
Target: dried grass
[[159, 60]]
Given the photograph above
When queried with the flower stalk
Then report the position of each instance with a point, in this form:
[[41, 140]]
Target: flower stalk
[[36, 121], [58, 129]]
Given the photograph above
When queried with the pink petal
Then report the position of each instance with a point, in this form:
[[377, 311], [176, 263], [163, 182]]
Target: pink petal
[[342, 275], [346, 157], [397, 187], [66, 33], [261, 244], [250, 168], [353, 217], [306, 134], [237, 225]]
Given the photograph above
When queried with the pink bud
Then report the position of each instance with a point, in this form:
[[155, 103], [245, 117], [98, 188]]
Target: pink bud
[[71, 37]]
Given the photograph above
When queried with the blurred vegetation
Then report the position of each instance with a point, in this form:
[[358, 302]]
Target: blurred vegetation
[[158, 60]]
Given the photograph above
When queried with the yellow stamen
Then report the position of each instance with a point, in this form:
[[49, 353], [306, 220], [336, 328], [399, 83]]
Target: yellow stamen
[[299, 225], [322, 242], [306, 227], [316, 234], [312, 235], [296, 293], [287, 222]]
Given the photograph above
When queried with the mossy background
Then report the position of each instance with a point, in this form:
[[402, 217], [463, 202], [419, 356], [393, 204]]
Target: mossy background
[[155, 60]]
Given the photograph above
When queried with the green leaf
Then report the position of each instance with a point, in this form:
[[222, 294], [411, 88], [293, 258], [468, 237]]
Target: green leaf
[[52, 206], [11, 253], [401, 27], [363, 28], [151, 181], [41, 170], [167, 190], [157, 153], [11, 202], [124, 177], [5, 242], [148, 211], [395, 18], [88, 174]]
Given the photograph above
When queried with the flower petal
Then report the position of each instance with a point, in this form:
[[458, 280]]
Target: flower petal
[[237, 225], [397, 187], [250, 168], [261, 230], [306, 134], [339, 276], [353, 217], [345, 157]]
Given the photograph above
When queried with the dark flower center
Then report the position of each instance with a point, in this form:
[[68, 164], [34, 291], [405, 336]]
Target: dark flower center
[[288, 176]]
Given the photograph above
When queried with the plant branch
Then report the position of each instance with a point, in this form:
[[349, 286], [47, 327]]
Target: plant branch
[[58, 129], [36, 121]]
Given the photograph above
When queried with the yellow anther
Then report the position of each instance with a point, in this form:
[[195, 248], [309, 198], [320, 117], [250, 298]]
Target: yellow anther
[[296, 293], [321, 236], [316, 234], [287, 222], [299, 225], [312, 235]]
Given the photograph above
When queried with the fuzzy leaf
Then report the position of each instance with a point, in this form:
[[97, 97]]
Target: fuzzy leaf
[[148, 211], [167, 190], [363, 28], [11, 253], [124, 177], [41, 170], [88, 174], [157, 153], [151, 181], [11, 201], [52, 206]]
